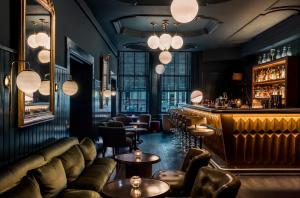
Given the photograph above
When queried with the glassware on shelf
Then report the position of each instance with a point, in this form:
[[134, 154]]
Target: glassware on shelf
[[289, 51], [268, 57], [259, 60], [284, 54], [272, 52], [264, 60], [278, 55]]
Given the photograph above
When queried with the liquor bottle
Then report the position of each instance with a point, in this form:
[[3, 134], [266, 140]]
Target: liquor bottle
[[259, 60], [289, 51], [282, 71], [284, 52], [264, 60], [268, 57], [278, 55]]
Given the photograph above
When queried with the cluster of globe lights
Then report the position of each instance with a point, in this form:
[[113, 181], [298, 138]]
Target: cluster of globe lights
[[40, 39]]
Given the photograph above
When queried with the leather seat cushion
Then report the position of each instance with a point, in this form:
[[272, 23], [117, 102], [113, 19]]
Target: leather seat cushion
[[109, 163], [88, 150], [51, 178], [27, 188], [72, 193], [93, 178], [174, 178], [73, 162]]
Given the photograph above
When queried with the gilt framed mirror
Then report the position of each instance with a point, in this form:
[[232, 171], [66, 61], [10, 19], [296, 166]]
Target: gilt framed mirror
[[37, 48]]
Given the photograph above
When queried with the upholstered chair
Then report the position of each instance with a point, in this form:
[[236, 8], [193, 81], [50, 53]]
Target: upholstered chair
[[213, 183], [114, 124], [145, 118], [181, 181], [114, 137], [124, 119]]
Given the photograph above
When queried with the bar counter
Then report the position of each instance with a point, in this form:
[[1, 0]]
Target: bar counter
[[253, 138]]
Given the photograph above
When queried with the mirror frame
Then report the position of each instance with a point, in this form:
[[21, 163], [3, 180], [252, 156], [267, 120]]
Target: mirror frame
[[48, 5]]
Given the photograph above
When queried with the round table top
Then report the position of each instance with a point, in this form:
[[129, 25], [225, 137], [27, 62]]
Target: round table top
[[138, 123], [131, 129], [203, 132], [129, 158], [148, 188]]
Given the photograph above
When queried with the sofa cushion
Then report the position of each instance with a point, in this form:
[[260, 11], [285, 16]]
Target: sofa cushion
[[93, 178], [73, 162], [109, 163], [72, 193], [88, 150], [51, 177], [27, 188]]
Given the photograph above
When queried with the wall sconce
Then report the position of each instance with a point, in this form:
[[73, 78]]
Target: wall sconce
[[237, 76], [56, 88], [28, 81], [107, 93], [70, 87]]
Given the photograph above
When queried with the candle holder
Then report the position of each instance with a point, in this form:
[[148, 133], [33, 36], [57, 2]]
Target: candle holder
[[138, 121], [135, 182], [135, 127], [138, 154], [135, 192]]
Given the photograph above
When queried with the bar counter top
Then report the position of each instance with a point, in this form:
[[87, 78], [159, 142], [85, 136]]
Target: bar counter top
[[243, 111]]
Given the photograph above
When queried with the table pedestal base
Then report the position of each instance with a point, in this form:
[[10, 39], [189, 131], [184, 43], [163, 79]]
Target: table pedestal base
[[144, 171]]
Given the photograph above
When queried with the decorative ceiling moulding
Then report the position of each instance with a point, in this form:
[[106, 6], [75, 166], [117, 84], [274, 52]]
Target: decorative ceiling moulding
[[207, 25], [167, 2], [262, 22]]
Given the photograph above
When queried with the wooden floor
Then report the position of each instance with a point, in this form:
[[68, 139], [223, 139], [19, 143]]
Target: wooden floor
[[253, 186]]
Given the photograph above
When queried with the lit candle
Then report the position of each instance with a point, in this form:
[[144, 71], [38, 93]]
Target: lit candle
[[135, 192], [138, 121], [135, 127], [138, 153], [135, 181]]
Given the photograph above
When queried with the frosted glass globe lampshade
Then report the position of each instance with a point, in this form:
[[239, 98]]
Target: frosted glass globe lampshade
[[177, 42], [165, 57], [31, 41], [41, 39], [44, 56], [107, 93], [196, 97], [153, 42], [160, 69], [45, 88], [28, 81], [113, 93], [184, 11], [70, 88], [165, 41], [48, 44]]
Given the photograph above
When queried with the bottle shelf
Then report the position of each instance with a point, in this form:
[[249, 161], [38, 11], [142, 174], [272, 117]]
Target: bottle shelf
[[270, 82]]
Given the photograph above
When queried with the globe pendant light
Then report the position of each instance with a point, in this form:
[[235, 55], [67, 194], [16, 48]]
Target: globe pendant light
[[107, 93], [165, 41], [44, 56], [41, 39], [45, 88], [196, 97], [184, 11], [31, 41], [153, 42], [177, 42], [70, 88], [160, 69], [165, 57], [48, 44], [28, 81]]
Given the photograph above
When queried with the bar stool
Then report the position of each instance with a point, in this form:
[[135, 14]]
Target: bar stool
[[200, 132]]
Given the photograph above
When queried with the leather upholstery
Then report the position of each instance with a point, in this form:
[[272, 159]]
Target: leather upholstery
[[181, 181], [73, 162], [213, 183], [88, 150], [28, 187], [123, 118], [51, 177], [58, 148], [11, 177], [71, 193], [145, 118]]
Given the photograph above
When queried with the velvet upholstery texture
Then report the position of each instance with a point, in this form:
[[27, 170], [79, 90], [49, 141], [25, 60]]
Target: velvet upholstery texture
[[110, 164], [73, 162], [181, 181], [88, 150], [213, 183], [28, 187], [51, 178], [72, 193]]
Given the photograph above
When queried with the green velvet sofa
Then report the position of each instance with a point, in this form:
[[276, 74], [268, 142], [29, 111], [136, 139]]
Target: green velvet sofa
[[66, 169]]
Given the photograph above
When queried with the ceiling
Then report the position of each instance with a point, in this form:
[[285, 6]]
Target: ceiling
[[220, 23]]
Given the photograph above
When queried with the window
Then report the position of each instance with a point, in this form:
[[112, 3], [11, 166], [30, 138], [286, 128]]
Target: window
[[133, 82], [176, 81]]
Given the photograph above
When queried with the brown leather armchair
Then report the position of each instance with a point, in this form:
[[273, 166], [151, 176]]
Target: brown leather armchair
[[124, 119], [213, 183], [145, 118], [181, 181], [114, 137]]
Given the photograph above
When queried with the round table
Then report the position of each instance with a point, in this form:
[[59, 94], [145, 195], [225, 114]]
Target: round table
[[138, 123], [148, 188], [137, 131], [134, 118], [138, 167]]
